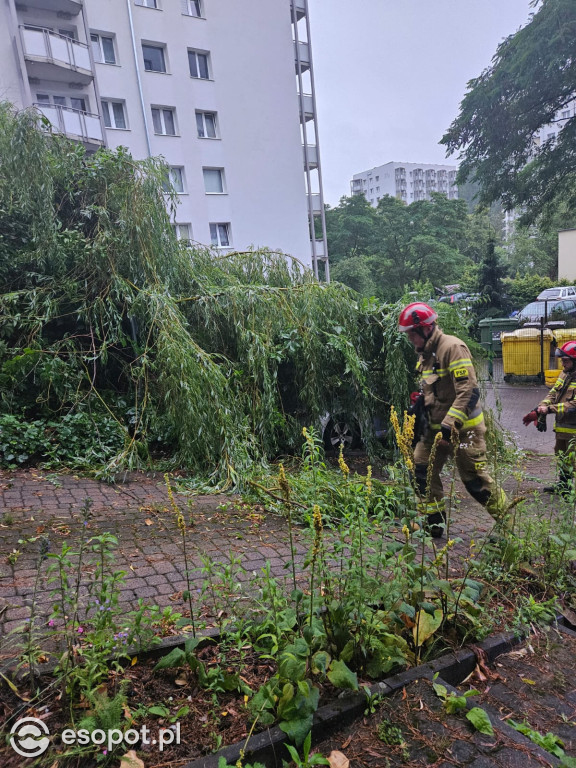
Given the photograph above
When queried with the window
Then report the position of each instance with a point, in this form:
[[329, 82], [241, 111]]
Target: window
[[175, 180], [182, 231], [78, 103], [103, 49], [198, 63], [206, 125], [147, 3], [377, 178], [154, 60], [163, 120], [213, 181], [565, 114], [220, 235], [71, 33], [113, 114], [194, 8]]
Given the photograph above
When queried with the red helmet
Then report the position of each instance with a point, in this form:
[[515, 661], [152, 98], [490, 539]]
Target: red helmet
[[415, 316], [567, 350]]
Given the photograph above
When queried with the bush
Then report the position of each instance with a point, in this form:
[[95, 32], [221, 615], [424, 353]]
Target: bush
[[77, 440]]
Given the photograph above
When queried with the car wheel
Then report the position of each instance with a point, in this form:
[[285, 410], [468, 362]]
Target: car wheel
[[342, 431]]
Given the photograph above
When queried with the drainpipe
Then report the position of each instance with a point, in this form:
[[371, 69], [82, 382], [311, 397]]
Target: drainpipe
[[138, 77]]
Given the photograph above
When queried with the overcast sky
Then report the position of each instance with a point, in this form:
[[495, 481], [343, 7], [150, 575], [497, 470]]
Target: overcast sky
[[390, 75]]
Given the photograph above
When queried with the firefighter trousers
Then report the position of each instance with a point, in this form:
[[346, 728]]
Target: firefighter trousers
[[470, 458], [565, 444]]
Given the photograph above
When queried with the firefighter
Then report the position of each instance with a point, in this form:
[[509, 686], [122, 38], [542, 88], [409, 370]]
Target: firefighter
[[451, 398], [561, 400]]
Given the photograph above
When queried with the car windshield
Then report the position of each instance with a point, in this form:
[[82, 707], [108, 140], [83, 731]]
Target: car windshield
[[536, 309], [550, 293]]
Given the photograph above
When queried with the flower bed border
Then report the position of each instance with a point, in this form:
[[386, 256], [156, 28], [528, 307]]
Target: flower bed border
[[267, 746]]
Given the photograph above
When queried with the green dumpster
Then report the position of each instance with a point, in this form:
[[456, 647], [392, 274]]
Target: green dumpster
[[490, 330]]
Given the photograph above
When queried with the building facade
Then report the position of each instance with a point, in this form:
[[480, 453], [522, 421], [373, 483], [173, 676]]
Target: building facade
[[224, 91], [406, 181]]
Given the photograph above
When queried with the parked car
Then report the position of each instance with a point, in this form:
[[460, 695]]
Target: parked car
[[456, 298], [553, 310], [558, 292]]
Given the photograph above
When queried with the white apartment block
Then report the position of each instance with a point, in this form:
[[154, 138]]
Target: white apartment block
[[546, 134], [406, 181], [223, 90]]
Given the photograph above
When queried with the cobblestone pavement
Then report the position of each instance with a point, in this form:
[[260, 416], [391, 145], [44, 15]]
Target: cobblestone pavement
[[138, 512]]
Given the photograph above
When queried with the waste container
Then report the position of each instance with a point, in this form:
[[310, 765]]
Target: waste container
[[490, 330], [521, 354], [561, 336]]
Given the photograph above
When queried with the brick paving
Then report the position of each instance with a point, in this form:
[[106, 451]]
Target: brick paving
[[138, 513]]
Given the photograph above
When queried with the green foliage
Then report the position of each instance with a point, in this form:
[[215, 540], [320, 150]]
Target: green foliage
[[119, 339], [307, 760], [453, 703], [523, 289], [480, 720], [382, 251], [530, 79], [76, 440], [550, 742]]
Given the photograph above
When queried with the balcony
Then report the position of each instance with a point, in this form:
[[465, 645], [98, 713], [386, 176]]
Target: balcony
[[311, 156], [317, 247], [81, 126], [73, 7], [316, 203], [302, 57], [300, 6], [51, 56], [307, 108]]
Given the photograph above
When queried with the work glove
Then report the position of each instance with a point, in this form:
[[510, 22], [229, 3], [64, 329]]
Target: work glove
[[446, 433], [541, 422], [414, 397], [530, 417]]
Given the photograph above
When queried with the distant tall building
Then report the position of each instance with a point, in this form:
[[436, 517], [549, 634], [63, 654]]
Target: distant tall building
[[406, 181], [207, 84], [548, 133]]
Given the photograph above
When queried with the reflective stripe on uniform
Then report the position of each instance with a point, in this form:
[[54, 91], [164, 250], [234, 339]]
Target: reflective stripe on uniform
[[468, 424], [456, 414], [473, 422], [569, 430], [463, 362]]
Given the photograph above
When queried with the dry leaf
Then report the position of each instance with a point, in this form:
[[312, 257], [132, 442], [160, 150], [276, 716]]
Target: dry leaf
[[338, 759], [131, 760], [148, 522], [181, 681]]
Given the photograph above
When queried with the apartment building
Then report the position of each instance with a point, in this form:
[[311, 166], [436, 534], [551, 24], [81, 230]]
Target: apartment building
[[406, 181], [223, 90]]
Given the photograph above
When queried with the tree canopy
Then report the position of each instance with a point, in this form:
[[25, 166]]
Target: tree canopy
[[532, 76], [109, 323], [384, 251]]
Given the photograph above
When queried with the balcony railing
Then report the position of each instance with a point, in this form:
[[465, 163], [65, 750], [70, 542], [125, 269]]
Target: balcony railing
[[79, 125], [316, 203], [43, 45], [307, 107], [311, 156], [302, 55], [318, 247]]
